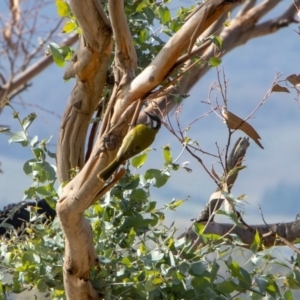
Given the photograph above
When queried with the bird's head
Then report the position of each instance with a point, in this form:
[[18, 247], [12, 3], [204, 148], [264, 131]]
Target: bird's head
[[153, 121]]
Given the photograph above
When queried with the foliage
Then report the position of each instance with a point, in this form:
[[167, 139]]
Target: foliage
[[34, 254], [140, 256], [34, 258], [42, 173]]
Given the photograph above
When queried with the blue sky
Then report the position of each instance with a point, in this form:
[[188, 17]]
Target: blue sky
[[271, 178]]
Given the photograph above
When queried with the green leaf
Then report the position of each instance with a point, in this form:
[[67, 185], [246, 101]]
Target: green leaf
[[212, 236], [149, 286], [127, 261], [272, 287], [18, 137], [30, 193], [293, 280], [27, 167], [36, 258], [16, 283], [216, 40], [41, 285], [234, 267], [63, 9], [227, 23], [69, 27], [167, 154], [184, 267], [199, 284], [34, 141], [51, 171], [26, 122], [172, 260], [156, 177], [150, 206], [138, 195], [144, 35], [4, 129], [225, 287], [130, 237], [288, 295], [164, 14], [175, 25], [46, 190], [197, 269], [215, 61], [39, 154], [214, 271], [245, 278], [141, 6], [175, 203], [27, 257], [51, 154], [256, 244], [263, 257], [149, 14], [262, 283], [156, 256], [67, 52], [41, 170], [198, 228], [57, 54], [175, 167], [157, 281], [179, 243], [7, 257], [139, 160], [210, 294]]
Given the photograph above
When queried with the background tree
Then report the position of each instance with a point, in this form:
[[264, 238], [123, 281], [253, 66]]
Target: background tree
[[20, 29], [165, 75]]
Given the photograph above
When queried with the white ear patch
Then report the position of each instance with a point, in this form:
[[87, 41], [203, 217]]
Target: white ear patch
[[153, 123]]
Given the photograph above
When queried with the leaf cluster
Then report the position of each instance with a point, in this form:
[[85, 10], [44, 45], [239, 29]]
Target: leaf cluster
[[140, 256]]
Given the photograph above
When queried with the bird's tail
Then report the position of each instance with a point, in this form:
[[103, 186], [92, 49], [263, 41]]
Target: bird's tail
[[109, 170]]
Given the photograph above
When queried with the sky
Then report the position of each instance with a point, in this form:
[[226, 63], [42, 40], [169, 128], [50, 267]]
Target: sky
[[271, 178]]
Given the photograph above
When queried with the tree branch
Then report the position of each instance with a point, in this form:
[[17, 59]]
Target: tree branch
[[89, 67], [22, 79], [289, 231], [235, 160], [242, 29], [125, 55], [272, 26], [153, 75]]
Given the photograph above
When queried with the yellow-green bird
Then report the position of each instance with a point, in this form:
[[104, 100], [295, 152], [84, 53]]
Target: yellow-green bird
[[136, 140]]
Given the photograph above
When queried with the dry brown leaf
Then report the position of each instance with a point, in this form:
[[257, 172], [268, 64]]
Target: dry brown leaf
[[294, 79], [278, 88], [234, 122]]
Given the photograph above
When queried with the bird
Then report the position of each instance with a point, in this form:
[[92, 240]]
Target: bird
[[17, 214], [136, 140]]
